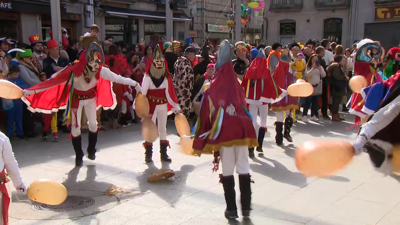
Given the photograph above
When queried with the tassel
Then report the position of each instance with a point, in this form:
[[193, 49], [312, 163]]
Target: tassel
[[70, 136]]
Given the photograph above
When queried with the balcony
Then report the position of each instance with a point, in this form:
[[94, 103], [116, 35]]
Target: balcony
[[387, 2], [286, 5], [332, 4]]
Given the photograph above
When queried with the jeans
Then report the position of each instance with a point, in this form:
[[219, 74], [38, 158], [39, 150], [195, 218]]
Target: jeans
[[312, 102]]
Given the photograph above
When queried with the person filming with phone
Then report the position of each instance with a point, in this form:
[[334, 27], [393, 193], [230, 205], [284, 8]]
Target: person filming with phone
[[314, 74]]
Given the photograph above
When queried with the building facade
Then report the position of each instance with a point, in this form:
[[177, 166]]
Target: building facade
[[377, 20], [291, 21], [126, 20], [210, 22]]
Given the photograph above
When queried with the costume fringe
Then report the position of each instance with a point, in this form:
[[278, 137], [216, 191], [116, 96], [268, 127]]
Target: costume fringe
[[211, 149], [284, 108]]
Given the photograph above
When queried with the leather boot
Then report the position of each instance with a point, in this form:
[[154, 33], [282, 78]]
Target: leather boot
[[245, 194], [336, 117], [149, 152], [163, 151], [279, 135], [288, 125], [230, 197], [251, 153], [91, 150], [77, 143], [261, 135]]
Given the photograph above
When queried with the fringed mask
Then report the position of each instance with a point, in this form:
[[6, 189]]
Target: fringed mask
[[157, 68], [94, 57], [369, 51]]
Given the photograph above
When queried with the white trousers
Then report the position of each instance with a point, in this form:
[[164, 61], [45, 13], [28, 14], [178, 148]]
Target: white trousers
[[280, 115], [160, 118], [263, 109], [235, 156], [90, 111]]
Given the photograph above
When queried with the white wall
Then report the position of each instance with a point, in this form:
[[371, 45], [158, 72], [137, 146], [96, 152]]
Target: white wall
[[362, 12], [305, 30], [31, 24]]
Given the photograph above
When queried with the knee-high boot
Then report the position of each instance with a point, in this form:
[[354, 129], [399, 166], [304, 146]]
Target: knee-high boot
[[92, 145], [261, 135], [288, 125], [245, 194], [251, 153], [149, 152], [279, 135], [163, 151], [77, 143], [230, 197]]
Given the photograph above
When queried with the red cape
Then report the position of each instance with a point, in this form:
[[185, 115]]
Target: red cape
[[56, 97]]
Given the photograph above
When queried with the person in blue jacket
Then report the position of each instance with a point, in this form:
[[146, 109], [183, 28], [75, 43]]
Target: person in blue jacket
[[14, 114]]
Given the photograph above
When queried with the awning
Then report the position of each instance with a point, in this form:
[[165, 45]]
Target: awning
[[139, 13]]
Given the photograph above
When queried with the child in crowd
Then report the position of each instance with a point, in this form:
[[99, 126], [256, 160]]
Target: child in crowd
[[94, 31], [298, 66], [14, 114], [210, 71]]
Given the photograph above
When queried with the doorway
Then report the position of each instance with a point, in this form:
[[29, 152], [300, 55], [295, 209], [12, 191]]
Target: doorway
[[333, 29]]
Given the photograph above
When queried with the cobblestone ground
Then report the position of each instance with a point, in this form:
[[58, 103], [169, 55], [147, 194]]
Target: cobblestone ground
[[281, 195]]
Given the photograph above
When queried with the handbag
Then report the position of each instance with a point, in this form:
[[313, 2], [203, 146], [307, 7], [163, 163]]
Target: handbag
[[317, 88]]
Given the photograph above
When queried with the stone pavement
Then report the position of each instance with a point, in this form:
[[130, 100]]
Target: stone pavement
[[281, 195]]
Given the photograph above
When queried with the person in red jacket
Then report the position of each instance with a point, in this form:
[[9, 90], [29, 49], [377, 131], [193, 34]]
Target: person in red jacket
[[65, 41]]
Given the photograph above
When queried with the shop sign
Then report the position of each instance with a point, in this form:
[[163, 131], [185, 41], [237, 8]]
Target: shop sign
[[387, 13], [154, 27], [5, 5], [288, 28], [218, 28], [193, 34]]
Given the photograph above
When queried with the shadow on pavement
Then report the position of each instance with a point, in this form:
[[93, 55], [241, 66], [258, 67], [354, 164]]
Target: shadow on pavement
[[278, 172]]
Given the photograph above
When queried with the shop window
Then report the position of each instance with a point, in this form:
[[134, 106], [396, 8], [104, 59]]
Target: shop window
[[122, 30], [9, 28], [287, 31], [333, 29]]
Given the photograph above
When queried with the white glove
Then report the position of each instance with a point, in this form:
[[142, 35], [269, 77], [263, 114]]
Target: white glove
[[130, 97], [138, 88], [21, 188], [359, 143], [28, 92]]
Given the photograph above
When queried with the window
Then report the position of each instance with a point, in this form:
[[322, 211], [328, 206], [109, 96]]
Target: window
[[333, 29]]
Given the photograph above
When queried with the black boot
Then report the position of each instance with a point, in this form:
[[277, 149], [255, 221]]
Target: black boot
[[245, 194], [77, 143], [149, 151], [45, 136], [288, 125], [279, 135], [251, 153], [261, 135], [163, 150], [230, 197], [91, 150]]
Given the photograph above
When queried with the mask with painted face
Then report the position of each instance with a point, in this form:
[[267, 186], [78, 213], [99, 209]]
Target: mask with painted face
[[157, 68]]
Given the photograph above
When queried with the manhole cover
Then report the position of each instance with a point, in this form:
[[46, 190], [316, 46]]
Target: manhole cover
[[70, 204]]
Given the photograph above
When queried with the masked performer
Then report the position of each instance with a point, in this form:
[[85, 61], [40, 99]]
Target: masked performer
[[392, 64], [241, 63], [260, 90], [83, 85], [224, 104], [283, 79], [157, 86], [366, 65], [379, 137]]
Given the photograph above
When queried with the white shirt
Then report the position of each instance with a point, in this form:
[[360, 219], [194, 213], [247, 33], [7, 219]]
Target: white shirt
[[8, 162], [54, 59], [328, 57]]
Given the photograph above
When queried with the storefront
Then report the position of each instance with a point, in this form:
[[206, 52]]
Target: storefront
[[130, 25], [217, 33], [385, 26]]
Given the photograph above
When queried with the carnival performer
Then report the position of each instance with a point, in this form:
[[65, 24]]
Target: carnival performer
[[260, 90], [379, 136], [283, 79], [82, 85], [241, 63], [157, 86], [392, 62], [10, 166], [184, 80], [224, 104], [367, 62]]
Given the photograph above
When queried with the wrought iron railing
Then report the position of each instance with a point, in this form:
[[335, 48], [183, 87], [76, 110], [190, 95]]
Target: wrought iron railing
[[282, 5], [386, 2], [332, 4]]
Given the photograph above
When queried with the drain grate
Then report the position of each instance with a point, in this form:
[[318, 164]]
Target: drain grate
[[70, 204]]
